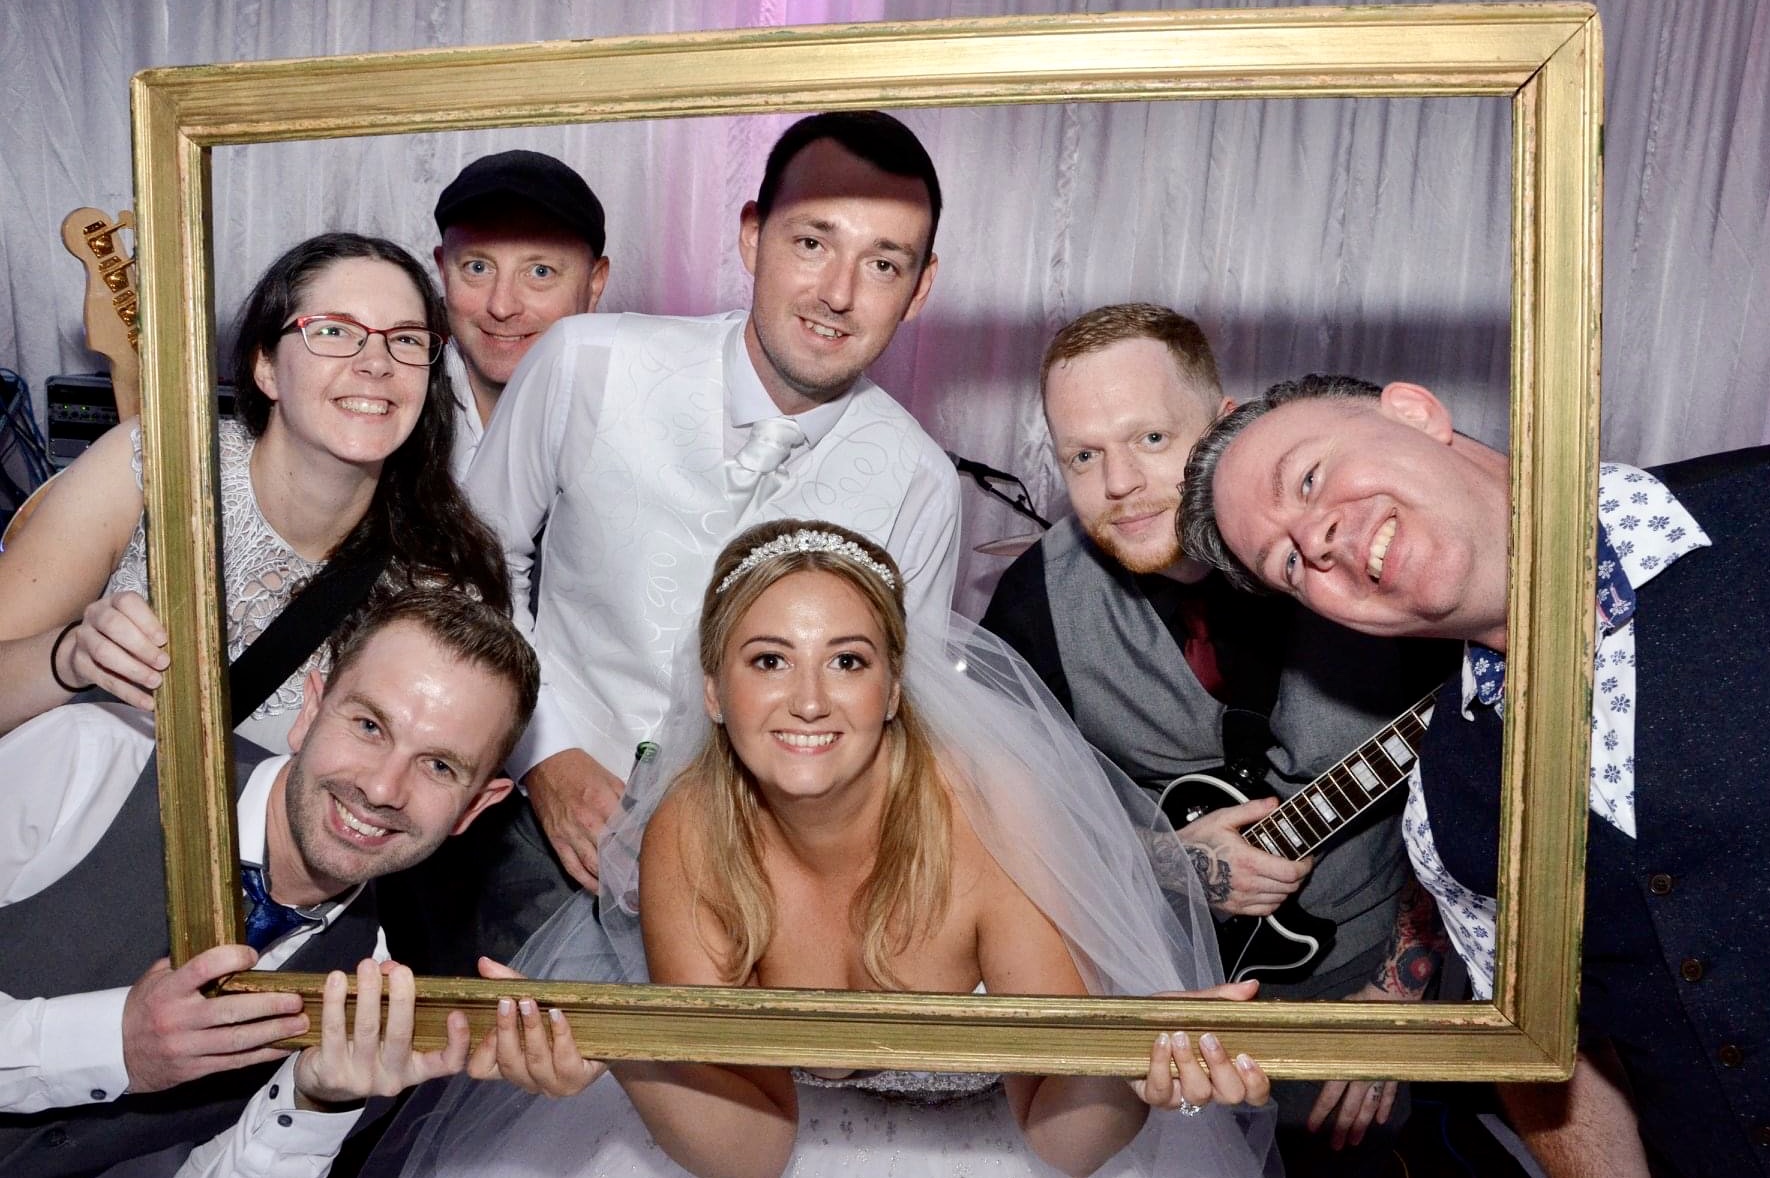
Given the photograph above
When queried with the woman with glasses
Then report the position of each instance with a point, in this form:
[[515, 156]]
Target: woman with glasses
[[339, 459]]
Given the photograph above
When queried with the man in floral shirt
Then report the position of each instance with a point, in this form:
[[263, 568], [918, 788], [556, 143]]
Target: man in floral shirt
[[1365, 505]]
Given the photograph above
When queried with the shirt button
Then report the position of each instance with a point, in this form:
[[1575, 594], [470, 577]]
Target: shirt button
[[98, 1094], [1660, 884], [1761, 1134], [1731, 1056], [1690, 969], [285, 1120], [273, 1091]]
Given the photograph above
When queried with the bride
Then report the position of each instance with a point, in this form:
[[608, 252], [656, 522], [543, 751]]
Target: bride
[[842, 805]]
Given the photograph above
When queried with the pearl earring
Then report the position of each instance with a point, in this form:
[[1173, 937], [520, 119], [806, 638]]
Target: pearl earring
[[718, 717]]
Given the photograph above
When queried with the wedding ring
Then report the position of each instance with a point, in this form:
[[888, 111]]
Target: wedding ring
[[1189, 1109]]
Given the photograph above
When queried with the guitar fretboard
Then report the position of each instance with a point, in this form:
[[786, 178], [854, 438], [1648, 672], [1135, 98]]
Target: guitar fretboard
[[1312, 814]]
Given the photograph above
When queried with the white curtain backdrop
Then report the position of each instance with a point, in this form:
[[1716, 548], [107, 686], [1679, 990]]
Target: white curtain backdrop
[[1368, 236]]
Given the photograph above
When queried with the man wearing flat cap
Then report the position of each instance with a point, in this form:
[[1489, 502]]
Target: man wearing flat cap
[[522, 242]]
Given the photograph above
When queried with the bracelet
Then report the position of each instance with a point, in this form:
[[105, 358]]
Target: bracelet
[[54, 650]]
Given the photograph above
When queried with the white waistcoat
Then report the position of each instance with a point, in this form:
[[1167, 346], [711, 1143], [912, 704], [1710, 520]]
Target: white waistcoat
[[647, 512]]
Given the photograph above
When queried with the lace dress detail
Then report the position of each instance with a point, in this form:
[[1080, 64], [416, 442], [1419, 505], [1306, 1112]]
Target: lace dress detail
[[260, 574], [912, 1087]]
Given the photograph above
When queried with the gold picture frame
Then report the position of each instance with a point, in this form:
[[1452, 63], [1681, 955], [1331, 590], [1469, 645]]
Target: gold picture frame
[[1546, 58]]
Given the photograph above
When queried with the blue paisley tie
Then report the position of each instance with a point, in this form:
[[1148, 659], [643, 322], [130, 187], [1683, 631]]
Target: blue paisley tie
[[266, 921]]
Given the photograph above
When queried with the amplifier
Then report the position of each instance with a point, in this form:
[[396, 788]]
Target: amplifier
[[83, 407]]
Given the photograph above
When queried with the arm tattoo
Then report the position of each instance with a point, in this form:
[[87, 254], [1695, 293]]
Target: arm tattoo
[[1416, 945], [1178, 864], [1212, 871]]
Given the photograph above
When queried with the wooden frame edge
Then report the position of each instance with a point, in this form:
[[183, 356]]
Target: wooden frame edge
[[181, 113]]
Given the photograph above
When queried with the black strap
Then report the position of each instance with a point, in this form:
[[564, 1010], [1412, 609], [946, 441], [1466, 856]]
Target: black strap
[[297, 632]]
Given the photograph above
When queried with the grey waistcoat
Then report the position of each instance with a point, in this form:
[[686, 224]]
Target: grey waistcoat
[[99, 927], [1137, 700]]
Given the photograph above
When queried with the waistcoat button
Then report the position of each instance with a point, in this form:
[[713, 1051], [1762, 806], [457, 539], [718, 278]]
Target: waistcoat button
[[1660, 884], [1731, 1055], [1690, 969]]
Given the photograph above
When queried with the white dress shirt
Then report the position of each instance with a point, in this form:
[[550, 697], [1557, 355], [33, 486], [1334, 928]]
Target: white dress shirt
[[614, 432], [468, 427], [64, 776]]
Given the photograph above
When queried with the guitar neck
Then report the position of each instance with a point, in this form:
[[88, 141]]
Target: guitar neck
[[1312, 815]]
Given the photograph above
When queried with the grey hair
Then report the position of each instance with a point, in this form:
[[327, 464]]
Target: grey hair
[[1200, 537]]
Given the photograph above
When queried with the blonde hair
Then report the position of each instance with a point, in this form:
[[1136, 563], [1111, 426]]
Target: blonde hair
[[905, 895], [1102, 327]]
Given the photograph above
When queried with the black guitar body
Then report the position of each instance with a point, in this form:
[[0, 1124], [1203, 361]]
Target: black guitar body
[[1282, 947]]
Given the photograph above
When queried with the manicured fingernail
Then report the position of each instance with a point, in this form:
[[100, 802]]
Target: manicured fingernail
[[1161, 1040], [528, 1008], [556, 1014], [1209, 1042], [505, 1006], [1181, 1041], [1243, 1062]]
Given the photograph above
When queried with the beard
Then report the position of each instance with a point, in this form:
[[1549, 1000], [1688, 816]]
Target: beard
[[1151, 555], [821, 387], [307, 801]]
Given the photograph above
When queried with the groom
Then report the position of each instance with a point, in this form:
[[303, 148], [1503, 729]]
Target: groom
[[644, 443]]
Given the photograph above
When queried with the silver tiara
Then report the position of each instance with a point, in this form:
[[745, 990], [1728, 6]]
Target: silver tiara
[[807, 540]]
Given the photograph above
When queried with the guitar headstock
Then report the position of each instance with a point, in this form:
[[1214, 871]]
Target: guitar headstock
[[112, 327]]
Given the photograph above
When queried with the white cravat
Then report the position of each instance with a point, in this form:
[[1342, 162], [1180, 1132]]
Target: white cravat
[[747, 474]]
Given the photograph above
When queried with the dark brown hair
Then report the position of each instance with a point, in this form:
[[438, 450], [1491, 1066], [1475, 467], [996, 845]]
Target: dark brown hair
[[418, 515]]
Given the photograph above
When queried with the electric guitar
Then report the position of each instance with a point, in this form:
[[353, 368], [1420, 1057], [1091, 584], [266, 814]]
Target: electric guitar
[[111, 326], [110, 318], [1286, 945]]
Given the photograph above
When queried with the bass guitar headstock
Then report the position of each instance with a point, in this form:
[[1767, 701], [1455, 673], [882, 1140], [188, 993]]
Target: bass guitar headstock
[[112, 327]]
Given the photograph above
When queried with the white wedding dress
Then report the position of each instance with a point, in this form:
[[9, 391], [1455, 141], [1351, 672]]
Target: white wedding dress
[[1072, 835]]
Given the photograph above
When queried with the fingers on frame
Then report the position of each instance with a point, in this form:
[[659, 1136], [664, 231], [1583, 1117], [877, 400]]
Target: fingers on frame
[[1194, 1082], [367, 1027]]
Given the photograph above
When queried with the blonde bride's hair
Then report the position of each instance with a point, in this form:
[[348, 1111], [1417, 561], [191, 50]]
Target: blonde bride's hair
[[906, 893]]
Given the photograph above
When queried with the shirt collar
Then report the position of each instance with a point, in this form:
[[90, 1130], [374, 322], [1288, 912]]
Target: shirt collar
[[250, 822], [1651, 528], [455, 369], [747, 400]]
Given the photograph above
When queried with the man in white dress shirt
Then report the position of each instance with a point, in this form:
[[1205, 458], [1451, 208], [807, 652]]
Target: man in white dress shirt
[[399, 750], [522, 248], [645, 443]]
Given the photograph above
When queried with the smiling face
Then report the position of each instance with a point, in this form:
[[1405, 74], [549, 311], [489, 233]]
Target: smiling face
[[356, 409], [804, 686], [1123, 420], [838, 264], [392, 756], [507, 282], [1373, 513]]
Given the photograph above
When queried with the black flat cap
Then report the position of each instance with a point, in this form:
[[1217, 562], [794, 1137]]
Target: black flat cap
[[531, 178]]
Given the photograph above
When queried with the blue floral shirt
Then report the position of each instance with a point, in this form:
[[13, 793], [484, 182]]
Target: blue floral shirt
[[1641, 530]]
